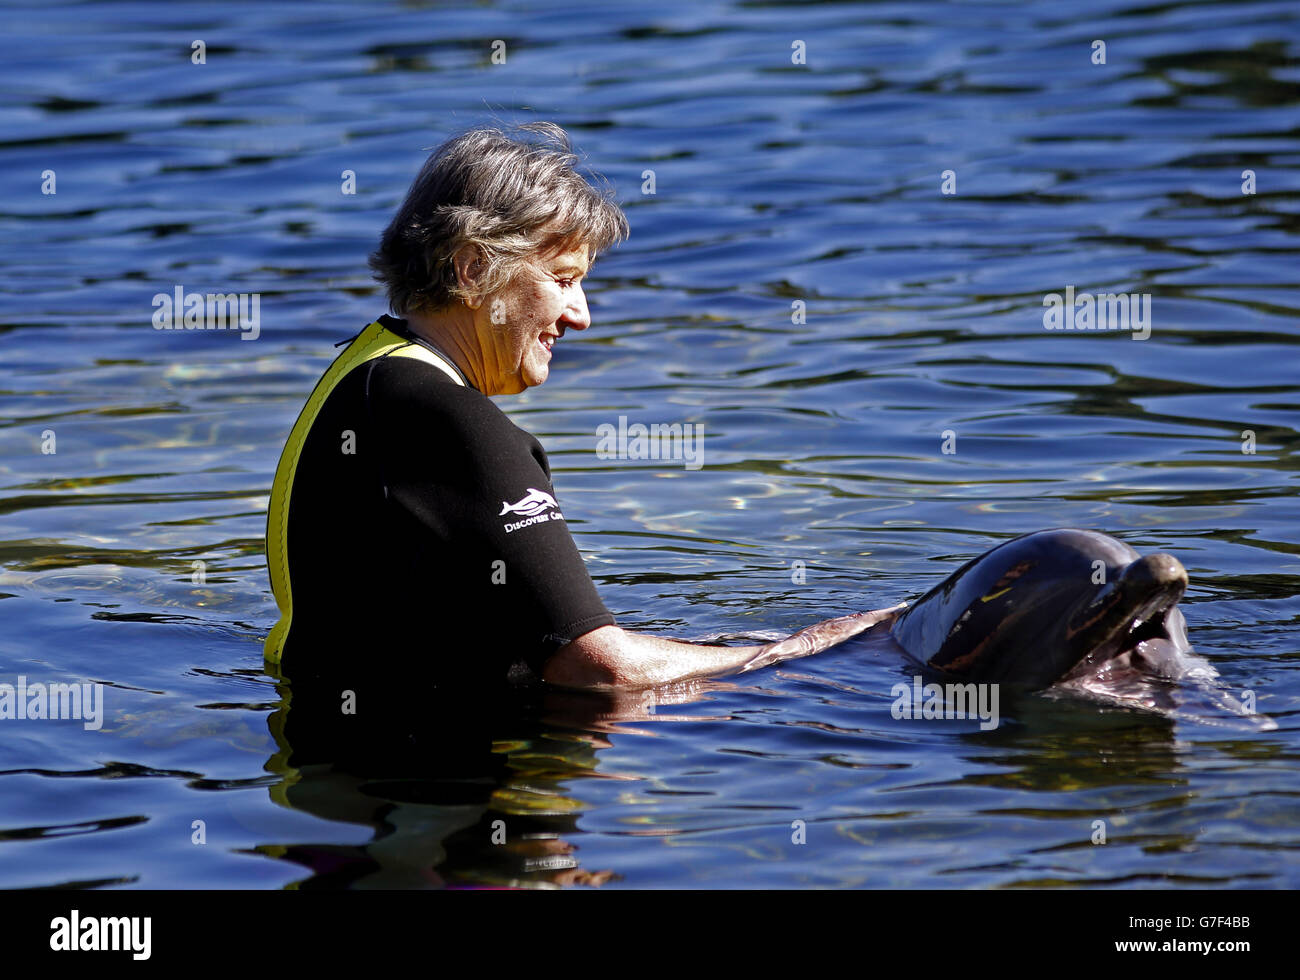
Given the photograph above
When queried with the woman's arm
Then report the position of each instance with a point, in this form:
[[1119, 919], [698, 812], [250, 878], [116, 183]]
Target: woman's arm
[[611, 658]]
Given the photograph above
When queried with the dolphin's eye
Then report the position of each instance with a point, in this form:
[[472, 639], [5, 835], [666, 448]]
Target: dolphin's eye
[[956, 627]]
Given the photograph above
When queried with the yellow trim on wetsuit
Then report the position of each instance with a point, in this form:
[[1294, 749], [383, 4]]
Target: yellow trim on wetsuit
[[375, 341]]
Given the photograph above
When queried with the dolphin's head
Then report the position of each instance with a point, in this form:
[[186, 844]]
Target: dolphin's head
[[1050, 606]]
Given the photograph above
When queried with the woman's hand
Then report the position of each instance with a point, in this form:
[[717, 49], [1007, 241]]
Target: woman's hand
[[611, 659]]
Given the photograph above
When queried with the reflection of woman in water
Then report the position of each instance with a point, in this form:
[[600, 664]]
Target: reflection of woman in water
[[414, 537], [470, 803]]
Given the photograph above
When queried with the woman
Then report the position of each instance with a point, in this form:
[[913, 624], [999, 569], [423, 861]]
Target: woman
[[413, 534]]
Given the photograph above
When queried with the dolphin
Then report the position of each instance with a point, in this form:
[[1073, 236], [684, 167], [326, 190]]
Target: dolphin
[[1069, 612], [532, 504], [1064, 612]]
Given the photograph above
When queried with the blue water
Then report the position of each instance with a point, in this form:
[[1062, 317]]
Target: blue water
[[774, 183]]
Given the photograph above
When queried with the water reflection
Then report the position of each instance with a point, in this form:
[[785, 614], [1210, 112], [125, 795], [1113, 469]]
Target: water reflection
[[456, 796]]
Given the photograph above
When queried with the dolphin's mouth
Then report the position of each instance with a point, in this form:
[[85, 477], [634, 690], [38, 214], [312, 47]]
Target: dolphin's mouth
[[1134, 619], [1150, 641]]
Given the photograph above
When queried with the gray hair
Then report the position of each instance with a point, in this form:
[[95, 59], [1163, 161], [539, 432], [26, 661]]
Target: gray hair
[[512, 198]]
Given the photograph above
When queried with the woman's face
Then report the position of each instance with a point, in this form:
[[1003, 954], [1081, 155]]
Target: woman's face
[[519, 323]]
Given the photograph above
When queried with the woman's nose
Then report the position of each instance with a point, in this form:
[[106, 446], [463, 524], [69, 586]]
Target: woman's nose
[[576, 314]]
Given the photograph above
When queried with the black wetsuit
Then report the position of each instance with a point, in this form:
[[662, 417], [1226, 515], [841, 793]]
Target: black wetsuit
[[414, 537]]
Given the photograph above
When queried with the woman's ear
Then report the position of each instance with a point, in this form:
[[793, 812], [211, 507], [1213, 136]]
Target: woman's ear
[[469, 263]]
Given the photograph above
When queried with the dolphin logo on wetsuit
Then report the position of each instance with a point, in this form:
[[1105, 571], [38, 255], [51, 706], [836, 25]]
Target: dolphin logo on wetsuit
[[533, 504]]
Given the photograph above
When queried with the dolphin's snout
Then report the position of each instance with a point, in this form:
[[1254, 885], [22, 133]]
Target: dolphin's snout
[[1159, 571], [1146, 587]]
